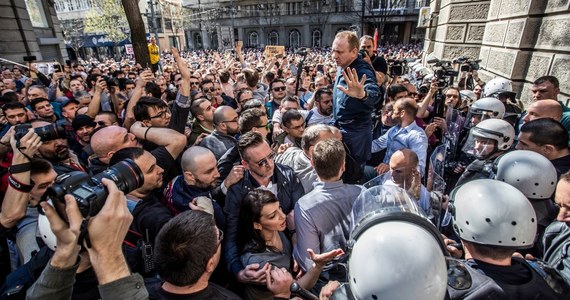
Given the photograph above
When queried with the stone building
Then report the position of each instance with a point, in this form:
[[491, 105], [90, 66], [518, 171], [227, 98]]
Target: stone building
[[30, 28], [297, 23], [517, 39]]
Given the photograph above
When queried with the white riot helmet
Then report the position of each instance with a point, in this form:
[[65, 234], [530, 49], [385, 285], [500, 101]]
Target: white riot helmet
[[423, 71], [427, 78], [45, 230], [529, 172], [499, 87], [485, 108], [388, 230], [489, 137], [494, 213], [468, 95]]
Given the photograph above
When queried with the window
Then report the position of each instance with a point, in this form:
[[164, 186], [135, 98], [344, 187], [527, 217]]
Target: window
[[253, 39], [294, 38], [316, 38], [37, 14], [273, 38], [197, 41]]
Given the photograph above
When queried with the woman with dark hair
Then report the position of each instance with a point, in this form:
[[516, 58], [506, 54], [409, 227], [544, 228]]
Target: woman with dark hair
[[263, 241]]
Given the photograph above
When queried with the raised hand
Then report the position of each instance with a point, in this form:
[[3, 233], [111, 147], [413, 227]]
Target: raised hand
[[354, 87]]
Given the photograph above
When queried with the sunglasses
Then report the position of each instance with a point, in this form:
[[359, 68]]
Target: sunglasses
[[279, 89], [209, 90], [265, 161], [194, 83]]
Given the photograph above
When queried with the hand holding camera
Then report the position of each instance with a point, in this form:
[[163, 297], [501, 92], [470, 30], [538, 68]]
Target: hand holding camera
[[24, 140]]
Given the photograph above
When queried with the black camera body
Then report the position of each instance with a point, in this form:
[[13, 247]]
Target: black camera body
[[396, 67], [47, 133], [89, 192], [467, 64]]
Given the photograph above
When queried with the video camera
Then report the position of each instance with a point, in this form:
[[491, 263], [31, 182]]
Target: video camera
[[467, 64], [396, 67], [89, 192], [444, 74]]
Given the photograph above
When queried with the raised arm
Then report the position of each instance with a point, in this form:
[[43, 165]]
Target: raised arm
[[144, 77], [18, 193], [173, 141]]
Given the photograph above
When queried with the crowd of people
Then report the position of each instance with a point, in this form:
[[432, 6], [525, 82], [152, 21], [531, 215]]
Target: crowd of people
[[245, 174]]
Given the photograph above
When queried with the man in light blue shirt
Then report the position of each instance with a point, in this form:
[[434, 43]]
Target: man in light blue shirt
[[405, 134]]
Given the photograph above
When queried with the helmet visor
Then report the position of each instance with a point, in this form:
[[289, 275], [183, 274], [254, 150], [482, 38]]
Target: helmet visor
[[382, 201], [479, 144]]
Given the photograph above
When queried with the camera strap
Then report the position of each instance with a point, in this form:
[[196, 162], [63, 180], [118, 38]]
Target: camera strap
[[84, 234]]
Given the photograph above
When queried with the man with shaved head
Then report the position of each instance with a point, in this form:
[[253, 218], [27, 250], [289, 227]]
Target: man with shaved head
[[226, 126], [405, 134], [199, 180], [108, 140], [547, 108]]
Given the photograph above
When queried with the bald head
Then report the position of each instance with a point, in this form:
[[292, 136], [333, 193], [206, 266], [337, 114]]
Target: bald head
[[221, 113], [547, 108], [404, 158], [108, 140], [193, 156]]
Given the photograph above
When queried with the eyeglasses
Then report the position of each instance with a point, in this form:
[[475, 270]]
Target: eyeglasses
[[194, 83], [279, 89], [161, 114], [231, 121], [265, 161], [266, 126], [209, 90]]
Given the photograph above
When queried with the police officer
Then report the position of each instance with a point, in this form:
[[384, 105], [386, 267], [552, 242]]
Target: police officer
[[487, 140], [493, 219]]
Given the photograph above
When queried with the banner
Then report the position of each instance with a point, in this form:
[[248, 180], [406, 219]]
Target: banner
[[425, 17], [271, 51], [129, 49]]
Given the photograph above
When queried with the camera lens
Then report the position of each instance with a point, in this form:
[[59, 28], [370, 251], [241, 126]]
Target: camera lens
[[126, 174], [51, 132], [89, 192]]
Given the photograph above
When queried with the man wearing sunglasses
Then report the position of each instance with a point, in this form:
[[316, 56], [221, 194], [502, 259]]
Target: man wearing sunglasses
[[278, 93], [263, 173], [226, 124]]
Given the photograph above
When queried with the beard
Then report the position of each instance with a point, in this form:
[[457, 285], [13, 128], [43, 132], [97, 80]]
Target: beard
[[204, 185]]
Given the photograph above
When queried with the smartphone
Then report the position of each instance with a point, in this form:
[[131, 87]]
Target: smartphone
[[320, 68]]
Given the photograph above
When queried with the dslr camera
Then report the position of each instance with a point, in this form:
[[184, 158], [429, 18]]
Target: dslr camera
[[47, 133], [89, 192]]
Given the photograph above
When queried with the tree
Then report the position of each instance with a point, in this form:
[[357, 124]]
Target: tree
[[138, 33], [107, 17], [73, 34]]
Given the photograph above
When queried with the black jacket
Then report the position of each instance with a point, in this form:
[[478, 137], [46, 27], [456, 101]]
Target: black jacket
[[289, 190]]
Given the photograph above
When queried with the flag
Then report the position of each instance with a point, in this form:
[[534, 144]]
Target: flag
[[375, 39]]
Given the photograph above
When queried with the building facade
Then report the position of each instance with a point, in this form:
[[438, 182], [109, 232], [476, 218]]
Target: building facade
[[296, 23], [30, 28], [519, 40]]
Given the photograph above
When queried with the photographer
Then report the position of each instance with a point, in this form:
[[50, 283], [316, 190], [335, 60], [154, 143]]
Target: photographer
[[56, 150], [26, 183], [469, 79], [106, 232]]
